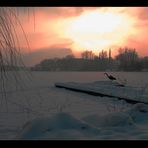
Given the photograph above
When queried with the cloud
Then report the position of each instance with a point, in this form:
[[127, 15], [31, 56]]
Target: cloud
[[37, 56], [54, 11], [49, 26]]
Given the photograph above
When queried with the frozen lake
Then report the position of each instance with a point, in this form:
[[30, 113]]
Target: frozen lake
[[36, 96], [134, 78]]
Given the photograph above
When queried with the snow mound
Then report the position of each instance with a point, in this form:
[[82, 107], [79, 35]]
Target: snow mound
[[140, 107], [60, 126], [138, 112], [135, 114], [109, 120]]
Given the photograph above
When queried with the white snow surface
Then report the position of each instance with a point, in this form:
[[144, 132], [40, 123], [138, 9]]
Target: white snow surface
[[36, 109]]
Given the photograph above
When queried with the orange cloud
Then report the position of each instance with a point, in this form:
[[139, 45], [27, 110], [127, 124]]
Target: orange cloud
[[73, 27]]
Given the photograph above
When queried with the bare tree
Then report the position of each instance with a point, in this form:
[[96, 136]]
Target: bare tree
[[10, 55], [9, 43], [128, 59], [103, 54], [87, 55]]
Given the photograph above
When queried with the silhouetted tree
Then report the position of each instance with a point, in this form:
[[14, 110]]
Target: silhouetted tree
[[128, 59], [144, 62], [87, 55], [71, 56], [10, 55], [103, 54]]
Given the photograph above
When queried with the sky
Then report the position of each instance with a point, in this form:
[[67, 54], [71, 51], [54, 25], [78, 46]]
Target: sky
[[76, 29]]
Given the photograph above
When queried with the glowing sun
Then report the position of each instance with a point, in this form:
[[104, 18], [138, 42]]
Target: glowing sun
[[96, 30]]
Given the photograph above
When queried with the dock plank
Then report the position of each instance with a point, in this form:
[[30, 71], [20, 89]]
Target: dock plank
[[77, 87]]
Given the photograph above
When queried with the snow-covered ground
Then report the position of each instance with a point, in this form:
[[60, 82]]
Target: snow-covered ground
[[36, 109]]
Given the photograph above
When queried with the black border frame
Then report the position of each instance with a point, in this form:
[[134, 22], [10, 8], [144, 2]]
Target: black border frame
[[46, 3]]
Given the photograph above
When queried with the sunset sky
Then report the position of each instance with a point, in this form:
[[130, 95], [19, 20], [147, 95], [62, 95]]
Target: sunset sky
[[83, 28]]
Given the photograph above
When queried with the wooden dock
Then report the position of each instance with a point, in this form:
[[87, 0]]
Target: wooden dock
[[73, 87]]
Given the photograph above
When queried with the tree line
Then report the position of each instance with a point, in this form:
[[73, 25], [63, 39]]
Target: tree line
[[127, 59]]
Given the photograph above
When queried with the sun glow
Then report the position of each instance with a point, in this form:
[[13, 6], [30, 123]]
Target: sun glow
[[96, 30], [96, 23]]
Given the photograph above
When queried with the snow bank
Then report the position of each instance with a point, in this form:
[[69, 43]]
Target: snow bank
[[135, 114], [140, 107], [59, 126], [109, 120], [139, 113], [111, 126]]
